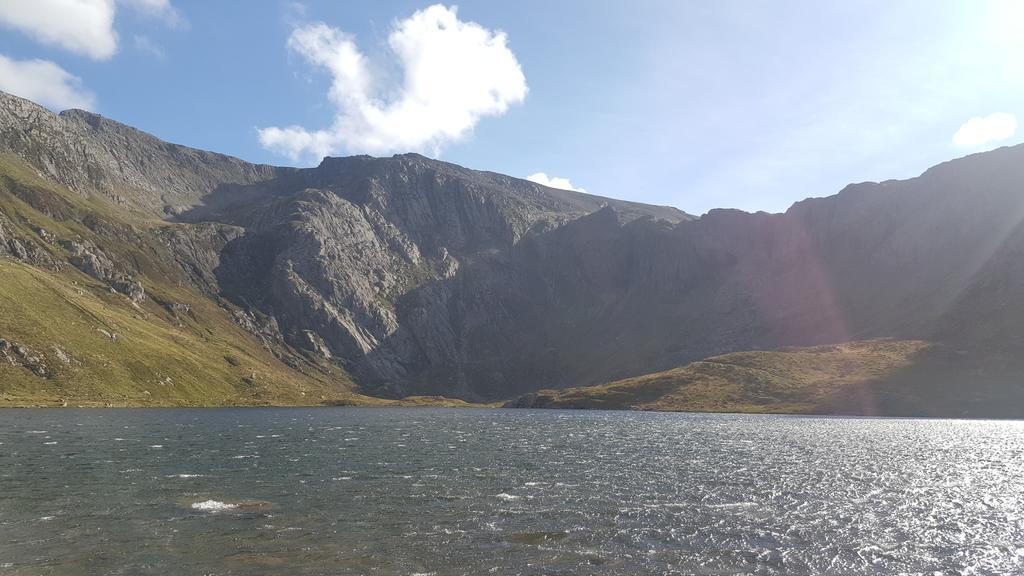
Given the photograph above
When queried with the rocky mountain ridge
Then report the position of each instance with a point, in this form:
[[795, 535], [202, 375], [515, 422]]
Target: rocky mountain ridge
[[92, 155], [416, 276]]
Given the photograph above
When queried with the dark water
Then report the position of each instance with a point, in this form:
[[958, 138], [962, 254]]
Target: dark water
[[350, 491]]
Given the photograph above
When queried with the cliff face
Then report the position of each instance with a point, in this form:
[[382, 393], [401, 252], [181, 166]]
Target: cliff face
[[390, 265], [425, 277], [418, 276]]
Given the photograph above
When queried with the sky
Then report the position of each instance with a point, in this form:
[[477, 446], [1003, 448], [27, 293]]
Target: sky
[[750, 104]]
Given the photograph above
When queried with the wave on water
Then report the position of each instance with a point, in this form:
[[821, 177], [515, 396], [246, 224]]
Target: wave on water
[[620, 493], [213, 506]]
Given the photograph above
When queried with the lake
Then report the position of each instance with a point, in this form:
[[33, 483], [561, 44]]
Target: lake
[[443, 491]]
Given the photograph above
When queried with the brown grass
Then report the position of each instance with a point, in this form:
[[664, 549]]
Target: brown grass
[[792, 380]]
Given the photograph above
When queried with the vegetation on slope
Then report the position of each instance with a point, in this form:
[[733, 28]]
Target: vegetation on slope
[[69, 338], [95, 348], [791, 380]]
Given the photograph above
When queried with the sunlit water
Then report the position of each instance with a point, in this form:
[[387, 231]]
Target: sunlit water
[[424, 491]]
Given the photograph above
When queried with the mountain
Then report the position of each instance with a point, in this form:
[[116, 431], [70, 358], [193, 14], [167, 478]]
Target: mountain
[[367, 278]]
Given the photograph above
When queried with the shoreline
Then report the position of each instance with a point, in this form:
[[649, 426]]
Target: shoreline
[[462, 405]]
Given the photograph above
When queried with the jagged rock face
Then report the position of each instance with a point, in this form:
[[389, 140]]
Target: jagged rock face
[[24, 249], [196, 249], [338, 250], [17, 354], [581, 298], [93, 261], [427, 278]]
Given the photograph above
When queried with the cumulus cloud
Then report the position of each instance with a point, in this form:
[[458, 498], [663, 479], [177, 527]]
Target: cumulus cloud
[[84, 27], [453, 74], [44, 82], [985, 129], [553, 182]]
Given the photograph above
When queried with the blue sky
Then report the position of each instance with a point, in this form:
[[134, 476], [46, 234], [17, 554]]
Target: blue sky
[[752, 104]]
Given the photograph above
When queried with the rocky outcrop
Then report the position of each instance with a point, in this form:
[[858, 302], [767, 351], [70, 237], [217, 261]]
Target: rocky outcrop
[[93, 261], [264, 327], [24, 249], [19, 355], [196, 249]]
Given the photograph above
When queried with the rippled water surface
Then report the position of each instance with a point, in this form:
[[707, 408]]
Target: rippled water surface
[[424, 491]]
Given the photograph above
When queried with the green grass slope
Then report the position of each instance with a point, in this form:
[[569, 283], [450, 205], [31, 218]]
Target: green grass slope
[[98, 349], [67, 338], [70, 339], [839, 378]]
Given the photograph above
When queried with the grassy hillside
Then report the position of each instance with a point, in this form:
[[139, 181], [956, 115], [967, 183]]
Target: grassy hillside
[[69, 338], [96, 349], [795, 380]]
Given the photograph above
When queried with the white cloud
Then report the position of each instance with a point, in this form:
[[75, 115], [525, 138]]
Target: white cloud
[[294, 12], [161, 9], [44, 82], [985, 129], [454, 74], [144, 44], [553, 182], [82, 26]]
